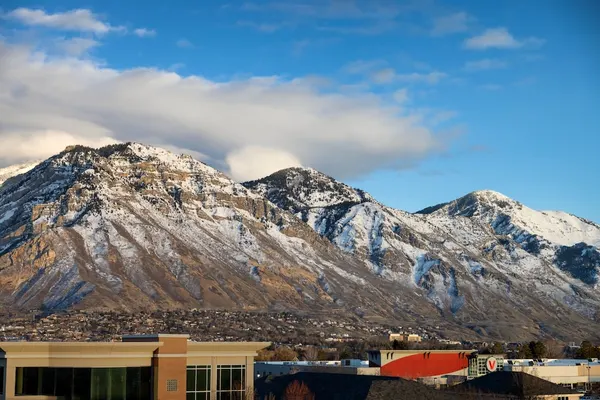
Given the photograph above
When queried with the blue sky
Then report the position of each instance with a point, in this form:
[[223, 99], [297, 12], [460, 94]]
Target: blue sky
[[417, 102]]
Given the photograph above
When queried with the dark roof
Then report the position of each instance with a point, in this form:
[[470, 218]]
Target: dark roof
[[326, 386], [517, 384]]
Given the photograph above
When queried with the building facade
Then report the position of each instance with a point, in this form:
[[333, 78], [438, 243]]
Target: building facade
[[415, 364], [565, 372], [160, 367], [404, 337], [278, 368], [483, 364]]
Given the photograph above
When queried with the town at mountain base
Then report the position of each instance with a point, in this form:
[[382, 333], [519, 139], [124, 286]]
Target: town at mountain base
[[132, 227]]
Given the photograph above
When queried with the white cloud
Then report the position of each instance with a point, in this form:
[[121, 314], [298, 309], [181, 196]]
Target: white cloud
[[486, 63], [81, 20], [36, 144], [143, 32], [343, 134], [499, 38], [184, 43], [250, 162], [453, 23], [401, 96], [76, 46]]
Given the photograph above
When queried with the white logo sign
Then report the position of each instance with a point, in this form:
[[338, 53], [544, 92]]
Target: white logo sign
[[491, 364]]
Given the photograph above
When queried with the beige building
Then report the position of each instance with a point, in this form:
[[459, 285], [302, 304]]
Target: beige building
[[160, 367], [404, 337]]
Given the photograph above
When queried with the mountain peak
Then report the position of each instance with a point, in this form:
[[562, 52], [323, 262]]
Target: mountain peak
[[490, 194], [473, 203], [299, 188]]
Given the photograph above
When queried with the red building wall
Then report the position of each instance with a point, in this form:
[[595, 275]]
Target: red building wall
[[425, 365]]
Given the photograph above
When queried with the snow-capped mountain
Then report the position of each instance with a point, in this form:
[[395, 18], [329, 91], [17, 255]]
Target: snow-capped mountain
[[14, 170], [561, 239], [132, 226], [460, 254]]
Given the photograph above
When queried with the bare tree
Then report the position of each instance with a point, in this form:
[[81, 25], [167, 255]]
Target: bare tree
[[298, 391], [310, 353]]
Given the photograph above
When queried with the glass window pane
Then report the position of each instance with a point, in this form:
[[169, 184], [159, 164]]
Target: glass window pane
[[146, 383], [82, 378], [236, 379], [116, 384], [190, 396], [99, 390], [48, 379], [203, 379], [190, 380], [27, 382], [225, 383], [238, 395]]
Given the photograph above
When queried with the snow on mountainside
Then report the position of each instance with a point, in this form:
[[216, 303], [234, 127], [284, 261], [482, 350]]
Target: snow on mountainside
[[132, 226], [14, 170], [457, 254], [555, 226], [309, 188]]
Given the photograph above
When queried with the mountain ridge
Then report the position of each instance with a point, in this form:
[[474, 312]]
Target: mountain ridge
[[131, 225]]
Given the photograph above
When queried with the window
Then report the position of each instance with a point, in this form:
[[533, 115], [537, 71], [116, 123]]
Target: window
[[85, 383], [231, 382], [198, 382], [1, 380]]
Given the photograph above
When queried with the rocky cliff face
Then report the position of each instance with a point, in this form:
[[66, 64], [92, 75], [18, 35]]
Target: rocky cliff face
[[131, 226], [470, 257]]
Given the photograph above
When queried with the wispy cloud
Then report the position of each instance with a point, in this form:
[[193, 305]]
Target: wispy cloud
[[367, 30], [442, 116], [485, 64], [329, 9], [81, 20], [388, 75], [401, 96], [76, 46], [362, 66], [263, 27], [176, 67], [184, 43], [430, 78], [299, 47], [499, 38], [143, 32], [385, 75], [453, 23]]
